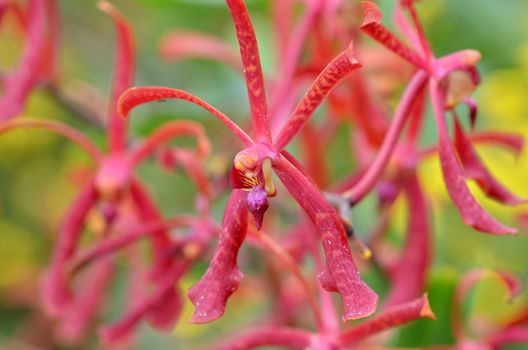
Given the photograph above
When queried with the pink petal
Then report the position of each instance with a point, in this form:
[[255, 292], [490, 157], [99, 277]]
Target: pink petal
[[55, 127], [476, 170], [252, 69], [409, 277], [162, 308], [511, 141], [123, 75], [340, 68], [396, 316], [56, 293], [169, 131], [512, 282], [19, 83], [509, 336], [470, 210], [139, 95], [373, 27], [76, 319], [289, 338], [179, 45], [341, 273], [222, 278]]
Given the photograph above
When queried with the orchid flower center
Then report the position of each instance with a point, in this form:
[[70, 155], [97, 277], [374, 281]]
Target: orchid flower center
[[113, 177], [252, 171]]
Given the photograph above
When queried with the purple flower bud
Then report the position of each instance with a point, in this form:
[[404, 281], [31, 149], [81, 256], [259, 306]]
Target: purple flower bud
[[257, 202]]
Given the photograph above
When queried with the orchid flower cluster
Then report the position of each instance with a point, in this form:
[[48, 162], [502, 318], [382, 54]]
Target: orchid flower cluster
[[325, 49]]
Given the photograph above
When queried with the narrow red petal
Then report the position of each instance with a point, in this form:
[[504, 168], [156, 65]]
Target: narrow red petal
[[123, 75], [341, 273], [19, 83], [55, 127], [75, 321], [148, 211], [511, 141], [179, 45], [476, 170], [410, 275], [470, 210], [222, 278], [509, 336], [512, 282], [340, 68], [169, 131], [396, 316], [289, 338], [55, 291], [373, 27], [140, 95], [252, 69], [165, 294]]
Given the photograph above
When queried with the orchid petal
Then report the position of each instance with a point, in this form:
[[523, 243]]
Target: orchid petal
[[373, 27], [148, 211], [139, 95], [56, 293], [120, 331], [170, 131], [123, 74], [341, 273], [290, 338], [512, 282], [476, 170], [222, 278], [396, 316], [252, 69], [340, 68], [470, 210], [508, 336], [55, 127], [178, 45], [409, 277], [76, 319], [18, 84]]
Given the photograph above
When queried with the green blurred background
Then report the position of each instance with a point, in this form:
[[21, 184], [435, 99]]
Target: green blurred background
[[36, 168]]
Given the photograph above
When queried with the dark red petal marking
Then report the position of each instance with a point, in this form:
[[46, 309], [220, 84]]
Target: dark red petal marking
[[18, 84], [178, 45], [289, 338], [123, 75], [470, 210], [373, 27], [396, 316], [169, 131], [340, 68], [252, 69], [75, 321], [222, 278], [56, 293], [410, 274], [140, 95], [341, 273], [476, 170]]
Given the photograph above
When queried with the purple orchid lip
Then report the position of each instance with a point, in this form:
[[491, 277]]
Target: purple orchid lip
[[257, 201]]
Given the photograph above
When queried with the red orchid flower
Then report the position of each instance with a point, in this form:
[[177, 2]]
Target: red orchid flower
[[39, 20], [252, 181], [451, 79], [119, 196]]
